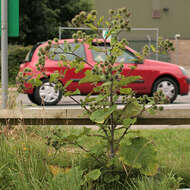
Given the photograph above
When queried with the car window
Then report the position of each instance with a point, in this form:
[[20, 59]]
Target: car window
[[29, 55], [58, 52], [27, 58], [126, 57]]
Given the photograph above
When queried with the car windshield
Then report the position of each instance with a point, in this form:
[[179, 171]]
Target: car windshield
[[126, 57]]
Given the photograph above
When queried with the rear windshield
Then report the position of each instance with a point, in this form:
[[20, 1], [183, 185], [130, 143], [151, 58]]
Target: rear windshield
[[29, 55]]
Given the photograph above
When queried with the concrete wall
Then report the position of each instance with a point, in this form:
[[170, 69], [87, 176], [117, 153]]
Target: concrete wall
[[174, 19]]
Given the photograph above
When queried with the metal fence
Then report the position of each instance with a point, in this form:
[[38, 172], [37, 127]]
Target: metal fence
[[137, 38]]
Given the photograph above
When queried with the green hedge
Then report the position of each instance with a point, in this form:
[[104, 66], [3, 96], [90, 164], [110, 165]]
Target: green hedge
[[16, 55]]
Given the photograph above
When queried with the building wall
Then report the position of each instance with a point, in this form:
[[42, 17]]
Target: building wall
[[181, 54], [174, 19]]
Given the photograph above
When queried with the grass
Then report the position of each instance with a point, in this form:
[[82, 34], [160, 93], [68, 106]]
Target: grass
[[12, 96], [174, 151], [26, 162]]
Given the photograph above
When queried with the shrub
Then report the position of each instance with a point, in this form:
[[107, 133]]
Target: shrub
[[111, 161], [16, 55]]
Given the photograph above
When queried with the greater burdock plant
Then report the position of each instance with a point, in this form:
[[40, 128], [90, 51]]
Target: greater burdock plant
[[113, 159]]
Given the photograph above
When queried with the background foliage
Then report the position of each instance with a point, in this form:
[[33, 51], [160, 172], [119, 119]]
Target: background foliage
[[39, 20], [16, 55]]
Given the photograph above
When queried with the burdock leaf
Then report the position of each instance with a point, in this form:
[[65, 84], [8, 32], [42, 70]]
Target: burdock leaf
[[125, 91], [100, 115], [127, 122], [93, 175], [132, 109], [141, 154]]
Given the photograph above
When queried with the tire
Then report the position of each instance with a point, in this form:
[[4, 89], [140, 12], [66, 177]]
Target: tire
[[168, 86], [46, 94], [31, 98]]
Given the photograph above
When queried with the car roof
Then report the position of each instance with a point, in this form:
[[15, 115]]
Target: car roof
[[95, 40]]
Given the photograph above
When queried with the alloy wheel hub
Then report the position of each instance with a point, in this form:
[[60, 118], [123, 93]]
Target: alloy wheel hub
[[48, 93]]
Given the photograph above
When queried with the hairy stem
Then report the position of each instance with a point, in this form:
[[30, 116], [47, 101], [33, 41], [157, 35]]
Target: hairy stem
[[81, 147], [112, 122]]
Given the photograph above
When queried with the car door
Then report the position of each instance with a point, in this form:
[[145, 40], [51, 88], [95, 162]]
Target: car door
[[129, 59], [71, 74]]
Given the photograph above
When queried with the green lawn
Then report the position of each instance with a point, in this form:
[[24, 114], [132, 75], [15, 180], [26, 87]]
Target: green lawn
[[26, 162]]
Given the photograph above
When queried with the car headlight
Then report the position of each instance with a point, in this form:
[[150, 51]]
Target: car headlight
[[184, 71]]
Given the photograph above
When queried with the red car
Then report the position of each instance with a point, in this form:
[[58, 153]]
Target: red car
[[171, 79]]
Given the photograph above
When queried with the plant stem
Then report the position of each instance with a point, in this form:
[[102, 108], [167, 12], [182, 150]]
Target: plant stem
[[112, 123], [81, 147], [124, 133], [79, 104]]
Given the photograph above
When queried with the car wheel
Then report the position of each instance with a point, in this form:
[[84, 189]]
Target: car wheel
[[31, 98], [46, 94], [168, 86]]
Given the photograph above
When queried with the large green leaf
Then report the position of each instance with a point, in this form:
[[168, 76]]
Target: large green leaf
[[128, 121], [110, 178], [100, 115], [93, 175], [99, 148], [140, 153], [132, 109], [125, 91]]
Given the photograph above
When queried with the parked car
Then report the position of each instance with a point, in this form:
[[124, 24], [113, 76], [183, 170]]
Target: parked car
[[170, 78]]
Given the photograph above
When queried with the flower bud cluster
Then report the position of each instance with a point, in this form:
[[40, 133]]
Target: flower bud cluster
[[83, 18], [160, 98], [146, 50], [165, 45], [120, 18]]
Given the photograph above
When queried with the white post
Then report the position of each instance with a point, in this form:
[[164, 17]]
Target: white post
[[157, 39], [4, 52], [177, 36], [60, 30]]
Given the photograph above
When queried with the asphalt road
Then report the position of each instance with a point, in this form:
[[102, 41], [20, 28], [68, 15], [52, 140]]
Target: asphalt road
[[22, 98]]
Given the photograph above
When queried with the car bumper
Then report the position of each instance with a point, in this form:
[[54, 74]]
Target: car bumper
[[185, 86], [28, 88], [188, 80]]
